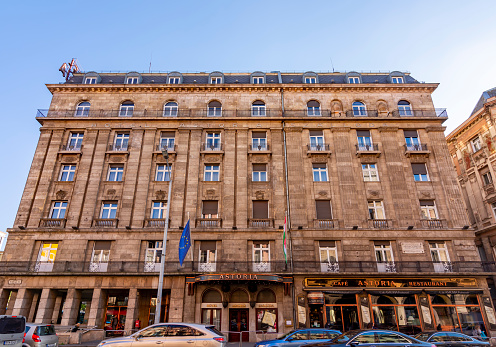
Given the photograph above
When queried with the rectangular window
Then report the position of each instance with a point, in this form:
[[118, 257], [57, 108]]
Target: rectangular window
[[210, 209], [163, 173], [109, 210], [67, 173], [354, 80], [158, 209], [115, 173], [310, 80], [258, 141], [364, 140], [328, 256], [207, 252], [216, 80], [75, 141], [211, 173], [101, 253], [317, 140], [376, 209], [420, 172], [58, 210], [258, 80], [476, 144], [260, 209], [323, 208], [428, 209], [319, 172], [412, 140], [167, 139], [174, 80], [121, 141], [261, 252], [213, 141], [370, 173], [440, 257], [486, 178], [259, 173], [90, 80], [397, 79], [153, 252], [132, 80], [48, 252], [384, 256]]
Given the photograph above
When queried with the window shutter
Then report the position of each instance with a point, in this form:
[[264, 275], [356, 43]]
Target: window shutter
[[168, 134], [259, 167], [410, 133], [319, 166], [102, 245], [363, 133], [327, 243], [419, 169], [261, 209], [313, 103], [207, 246], [258, 135], [382, 243], [210, 207], [316, 133], [426, 202], [323, 209]]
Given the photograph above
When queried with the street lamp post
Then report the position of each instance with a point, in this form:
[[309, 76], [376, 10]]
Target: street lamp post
[[158, 306]]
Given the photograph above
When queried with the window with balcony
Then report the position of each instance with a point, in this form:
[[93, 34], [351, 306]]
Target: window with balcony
[[428, 209], [476, 144], [208, 256], [328, 256], [174, 80], [370, 173], [412, 140], [213, 142], [364, 140], [83, 109], [420, 172], [353, 79], [214, 109], [384, 256], [115, 173], [58, 209], [121, 141], [46, 257], [404, 108], [158, 209], [100, 256], [376, 209], [109, 210], [162, 174], [210, 209], [167, 140], [319, 172], [313, 108], [75, 141], [259, 173], [440, 257], [212, 173], [487, 179], [126, 109], [258, 108], [67, 173], [261, 256], [397, 80], [153, 254], [90, 80], [317, 142], [323, 209], [359, 109], [259, 141], [171, 109]]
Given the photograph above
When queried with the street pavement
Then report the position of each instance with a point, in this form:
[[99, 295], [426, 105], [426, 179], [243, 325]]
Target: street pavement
[[96, 342]]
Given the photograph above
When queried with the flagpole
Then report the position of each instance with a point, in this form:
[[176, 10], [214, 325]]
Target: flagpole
[[158, 307], [193, 250]]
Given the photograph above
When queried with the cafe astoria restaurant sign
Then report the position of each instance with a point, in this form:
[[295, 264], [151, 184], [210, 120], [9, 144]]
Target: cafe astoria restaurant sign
[[390, 283]]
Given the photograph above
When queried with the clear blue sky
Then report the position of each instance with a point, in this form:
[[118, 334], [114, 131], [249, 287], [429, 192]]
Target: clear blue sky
[[450, 42]]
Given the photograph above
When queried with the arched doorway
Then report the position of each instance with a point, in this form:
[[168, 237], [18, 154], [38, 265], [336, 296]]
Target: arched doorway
[[238, 316], [211, 308], [266, 311]]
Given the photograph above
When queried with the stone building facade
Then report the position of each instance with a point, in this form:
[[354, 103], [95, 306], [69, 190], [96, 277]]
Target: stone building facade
[[472, 149], [356, 163]]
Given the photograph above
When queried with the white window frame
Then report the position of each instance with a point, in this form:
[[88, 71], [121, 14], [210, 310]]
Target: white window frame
[[99, 256], [384, 258], [211, 172], [258, 110], [259, 176], [171, 110], [422, 177], [317, 142], [167, 142], [121, 141], [83, 109], [359, 109], [212, 139], [259, 249], [126, 110], [397, 80], [58, 210], [162, 172], [476, 144], [377, 207], [259, 141], [310, 80], [320, 173], [158, 207], [174, 80], [327, 250], [354, 80], [215, 80], [132, 80], [365, 143], [90, 80], [412, 143], [214, 111], [207, 256], [438, 251], [313, 111], [153, 253], [487, 178], [109, 208], [258, 80], [428, 212], [69, 171], [77, 138], [115, 173], [405, 110], [370, 172]]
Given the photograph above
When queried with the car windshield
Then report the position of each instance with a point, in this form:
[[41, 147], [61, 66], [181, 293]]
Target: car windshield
[[283, 337], [422, 336], [345, 337], [12, 325], [45, 330]]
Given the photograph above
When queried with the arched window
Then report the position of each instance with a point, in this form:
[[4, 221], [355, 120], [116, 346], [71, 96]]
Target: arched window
[[214, 109], [404, 108], [258, 108], [83, 109], [127, 108], [359, 109], [313, 108], [211, 296], [239, 296], [170, 109], [266, 296]]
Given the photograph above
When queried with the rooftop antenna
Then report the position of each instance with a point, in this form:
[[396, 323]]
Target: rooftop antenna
[[150, 67], [332, 65], [68, 69]]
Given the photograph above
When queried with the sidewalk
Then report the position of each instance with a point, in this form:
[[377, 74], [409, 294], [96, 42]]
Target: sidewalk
[[94, 343]]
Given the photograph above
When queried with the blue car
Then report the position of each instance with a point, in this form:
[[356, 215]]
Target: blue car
[[300, 337]]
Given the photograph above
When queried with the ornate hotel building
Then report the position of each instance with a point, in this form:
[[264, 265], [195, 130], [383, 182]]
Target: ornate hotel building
[[376, 226]]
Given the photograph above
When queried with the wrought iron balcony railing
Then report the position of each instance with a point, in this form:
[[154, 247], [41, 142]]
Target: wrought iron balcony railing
[[72, 148], [118, 148], [318, 148], [416, 148], [211, 147], [307, 113], [259, 147], [170, 147], [373, 147], [432, 113], [362, 113]]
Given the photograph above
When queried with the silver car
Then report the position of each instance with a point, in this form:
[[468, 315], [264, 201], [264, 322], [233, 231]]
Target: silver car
[[171, 334], [41, 335]]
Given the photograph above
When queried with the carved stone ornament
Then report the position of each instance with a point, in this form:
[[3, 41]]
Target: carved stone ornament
[[337, 106], [418, 158], [117, 159], [373, 193], [259, 194], [382, 106], [425, 194], [70, 159], [472, 178], [111, 191], [319, 158], [210, 191], [322, 193], [61, 194], [368, 160], [260, 158], [160, 195], [213, 158]]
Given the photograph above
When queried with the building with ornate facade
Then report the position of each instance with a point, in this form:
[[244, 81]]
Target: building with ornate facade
[[376, 225]]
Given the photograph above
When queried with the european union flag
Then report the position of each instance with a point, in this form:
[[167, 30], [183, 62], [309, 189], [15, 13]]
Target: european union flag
[[184, 244]]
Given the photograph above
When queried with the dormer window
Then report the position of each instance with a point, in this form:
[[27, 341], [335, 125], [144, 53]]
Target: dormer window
[[258, 80], [354, 80], [132, 80], [90, 80], [397, 80]]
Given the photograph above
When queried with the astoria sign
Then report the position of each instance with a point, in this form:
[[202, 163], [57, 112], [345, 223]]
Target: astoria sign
[[238, 277]]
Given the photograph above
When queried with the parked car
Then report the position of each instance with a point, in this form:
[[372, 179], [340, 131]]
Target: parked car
[[41, 335], [300, 337], [171, 334], [446, 338], [12, 330], [372, 338]]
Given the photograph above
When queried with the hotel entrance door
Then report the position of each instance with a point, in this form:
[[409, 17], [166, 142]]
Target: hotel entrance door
[[238, 322]]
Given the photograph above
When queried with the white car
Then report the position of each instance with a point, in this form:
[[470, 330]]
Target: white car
[[12, 330]]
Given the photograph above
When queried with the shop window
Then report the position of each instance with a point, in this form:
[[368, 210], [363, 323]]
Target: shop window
[[212, 315], [459, 312], [208, 254], [115, 316], [341, 312], [396, 313], [46, 257]]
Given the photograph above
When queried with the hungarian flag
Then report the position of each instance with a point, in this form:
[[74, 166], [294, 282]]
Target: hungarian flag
[[285, 249]]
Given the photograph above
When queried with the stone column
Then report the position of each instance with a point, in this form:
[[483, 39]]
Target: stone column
[[22, 303], [56, 308], [4, 297], [177, 296], [71, 307], [97, 307], [132, 310], [45, 307]]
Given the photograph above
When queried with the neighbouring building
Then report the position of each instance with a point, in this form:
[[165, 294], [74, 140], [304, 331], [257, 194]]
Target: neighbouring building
[[472, 149], [377, 229]]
